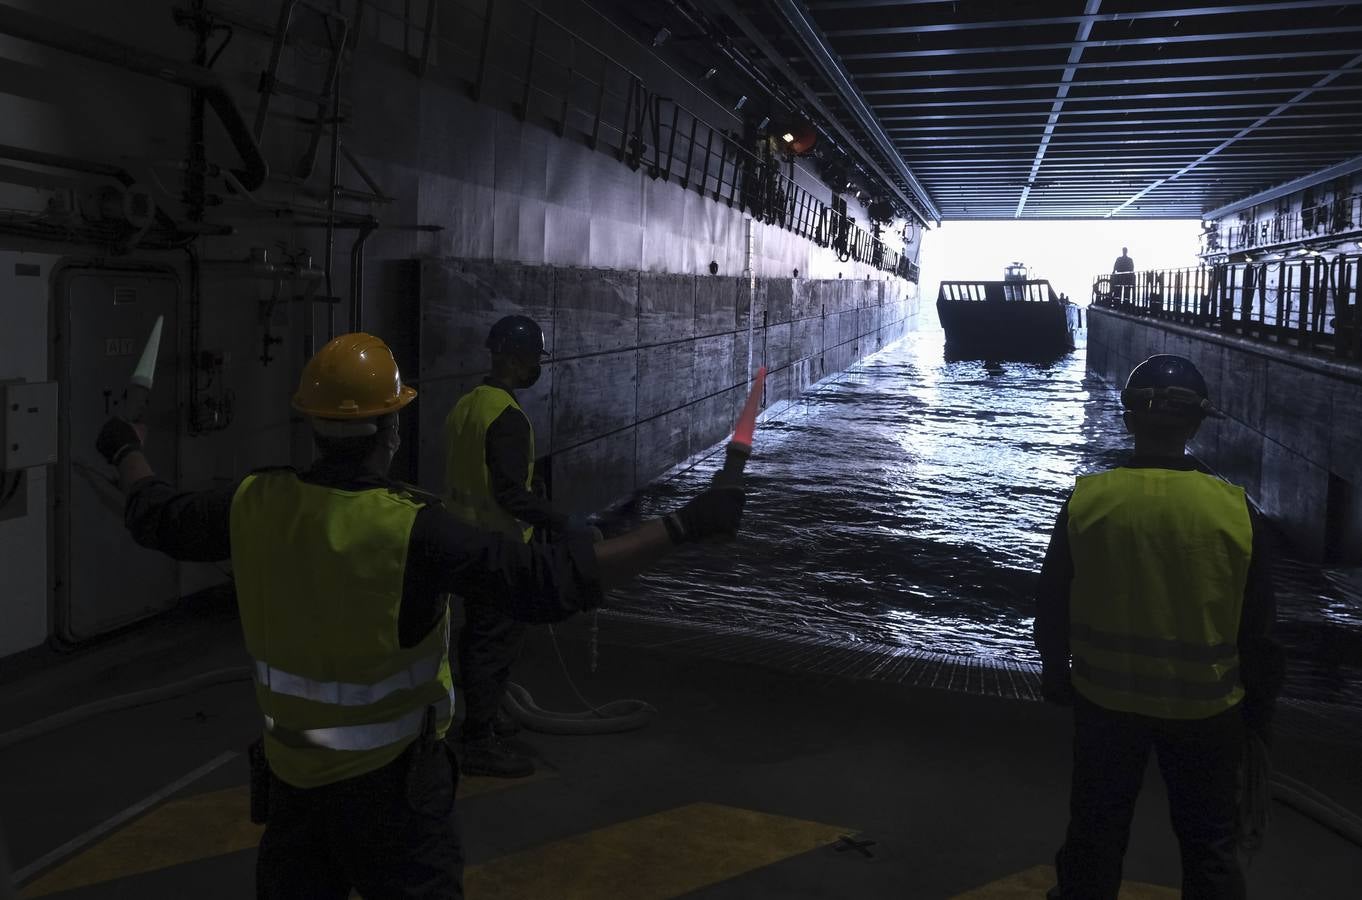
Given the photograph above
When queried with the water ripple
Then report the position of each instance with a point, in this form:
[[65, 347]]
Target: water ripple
[[910, 504]]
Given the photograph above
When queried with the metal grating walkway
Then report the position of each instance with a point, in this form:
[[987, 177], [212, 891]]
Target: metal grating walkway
[[988, 677]]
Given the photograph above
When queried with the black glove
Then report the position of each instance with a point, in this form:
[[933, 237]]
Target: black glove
[[117, 439], [715, 513], [1056, 686]]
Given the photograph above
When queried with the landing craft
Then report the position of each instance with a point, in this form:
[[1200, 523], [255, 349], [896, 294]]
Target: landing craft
[[1019, 317]]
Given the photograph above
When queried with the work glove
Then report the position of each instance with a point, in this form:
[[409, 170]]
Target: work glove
[[715, 513], [1056, 686], [117, 439]]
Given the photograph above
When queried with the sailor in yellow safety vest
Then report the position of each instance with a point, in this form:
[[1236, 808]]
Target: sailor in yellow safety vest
[[1154, 613], [342, 577], [489, 483]]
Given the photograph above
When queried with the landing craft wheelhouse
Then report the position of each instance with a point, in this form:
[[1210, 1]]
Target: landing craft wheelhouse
[[1017, 318]]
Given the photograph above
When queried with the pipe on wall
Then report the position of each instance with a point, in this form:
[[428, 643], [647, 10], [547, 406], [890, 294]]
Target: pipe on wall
[[357, 275], [40, 30]]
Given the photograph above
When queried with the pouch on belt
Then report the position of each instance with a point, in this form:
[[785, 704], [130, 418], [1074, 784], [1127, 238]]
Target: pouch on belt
[[432, 776]]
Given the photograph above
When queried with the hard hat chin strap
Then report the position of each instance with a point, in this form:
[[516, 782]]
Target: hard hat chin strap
[[1174, 402]]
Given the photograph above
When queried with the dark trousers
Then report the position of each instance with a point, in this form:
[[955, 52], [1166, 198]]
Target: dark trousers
[[488, 644], [390, 833], [1199, 759]]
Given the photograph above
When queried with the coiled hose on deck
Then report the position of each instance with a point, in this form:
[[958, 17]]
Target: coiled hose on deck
[[78, 714], [608, 718]]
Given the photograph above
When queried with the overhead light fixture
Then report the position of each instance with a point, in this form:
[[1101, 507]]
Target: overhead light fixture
[[709, 73], [661, 37], [798, 136], [742, 101], [761, 126]]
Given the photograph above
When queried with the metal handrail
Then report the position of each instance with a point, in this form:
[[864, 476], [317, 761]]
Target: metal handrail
[[1327, 220], [1310, 302], [645, 129]]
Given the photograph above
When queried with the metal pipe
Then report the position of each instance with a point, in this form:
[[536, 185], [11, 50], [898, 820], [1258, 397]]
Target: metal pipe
[[357, 275], [40, 30], [331, 212]]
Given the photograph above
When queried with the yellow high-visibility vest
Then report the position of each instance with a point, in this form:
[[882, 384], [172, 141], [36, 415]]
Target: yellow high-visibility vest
[[468, 481], [1161, 559], [319, 576]]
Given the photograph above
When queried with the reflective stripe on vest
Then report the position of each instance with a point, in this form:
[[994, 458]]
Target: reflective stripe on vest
[[1172, 689], [343, 693], [320, 573], [1161, 560], [1150, 646], [361, 738], [468, 481]]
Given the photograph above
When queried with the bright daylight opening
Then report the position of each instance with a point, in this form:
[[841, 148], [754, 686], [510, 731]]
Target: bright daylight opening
[[1069, 253]]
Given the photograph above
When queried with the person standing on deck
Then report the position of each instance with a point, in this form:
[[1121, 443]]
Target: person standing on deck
[[1154, 612], [489, 483], [342, 580], [1123, 275]]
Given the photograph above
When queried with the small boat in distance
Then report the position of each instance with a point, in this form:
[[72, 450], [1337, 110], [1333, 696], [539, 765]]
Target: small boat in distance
[[1019, 317]]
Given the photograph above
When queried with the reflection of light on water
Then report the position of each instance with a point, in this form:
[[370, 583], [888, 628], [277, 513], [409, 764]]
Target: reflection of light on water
[[910, 503]]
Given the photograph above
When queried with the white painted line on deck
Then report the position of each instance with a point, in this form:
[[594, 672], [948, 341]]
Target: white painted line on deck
[[81, 841]]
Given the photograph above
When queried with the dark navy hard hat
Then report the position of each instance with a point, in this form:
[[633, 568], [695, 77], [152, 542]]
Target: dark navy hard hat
[[516, 334], [1169, 387]]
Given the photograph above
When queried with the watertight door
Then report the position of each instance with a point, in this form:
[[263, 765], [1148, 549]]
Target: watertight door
[[103, 579]]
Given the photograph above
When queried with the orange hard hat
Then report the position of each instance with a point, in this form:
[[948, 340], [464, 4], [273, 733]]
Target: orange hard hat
[[353, 377]]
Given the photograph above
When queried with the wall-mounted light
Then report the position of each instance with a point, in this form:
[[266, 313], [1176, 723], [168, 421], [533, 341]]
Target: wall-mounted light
[[761, 126], [742, 101], [798, 137]]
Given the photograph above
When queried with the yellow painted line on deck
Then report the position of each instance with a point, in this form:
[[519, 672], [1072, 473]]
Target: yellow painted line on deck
[[180, 831], [192, 828], [1033, 883], [652, 858]]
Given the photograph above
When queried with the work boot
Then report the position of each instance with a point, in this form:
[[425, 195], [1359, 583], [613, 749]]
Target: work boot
[[490, 755]]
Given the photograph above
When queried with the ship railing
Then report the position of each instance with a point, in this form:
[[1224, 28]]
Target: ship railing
[[1330, 220], [1310, 301], [511, 52]]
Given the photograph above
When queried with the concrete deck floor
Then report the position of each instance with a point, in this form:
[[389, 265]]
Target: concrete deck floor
[[743, 787]]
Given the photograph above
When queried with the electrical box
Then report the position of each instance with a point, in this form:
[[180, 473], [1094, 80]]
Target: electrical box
[[28, 424]]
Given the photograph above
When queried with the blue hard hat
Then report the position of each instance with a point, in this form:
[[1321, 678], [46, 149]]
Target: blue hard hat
[[1169, 387], [516, 334]]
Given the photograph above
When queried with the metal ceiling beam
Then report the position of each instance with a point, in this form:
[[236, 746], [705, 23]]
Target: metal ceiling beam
[[1352, 111], [835, 121], [1351, 64], [946, 135], [1346, 167], [1022, 47], [1050, 85], [1110, 98], [1146, 62], [1350, 104], [806, 33], [1118, 137], [1111, 147], [1174, 13]]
